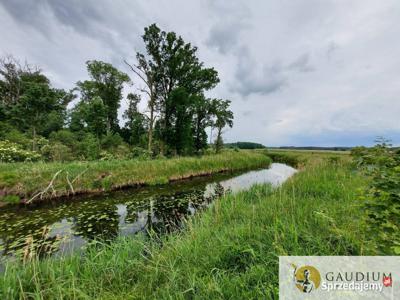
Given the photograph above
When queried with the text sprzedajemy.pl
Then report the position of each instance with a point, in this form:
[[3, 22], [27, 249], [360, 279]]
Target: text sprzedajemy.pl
[[352, 286]]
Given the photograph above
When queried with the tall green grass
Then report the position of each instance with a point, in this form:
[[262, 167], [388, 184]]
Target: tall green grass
[[228, 252], [28, 179]]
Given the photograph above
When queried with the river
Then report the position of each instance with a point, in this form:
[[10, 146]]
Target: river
[[62, 227]]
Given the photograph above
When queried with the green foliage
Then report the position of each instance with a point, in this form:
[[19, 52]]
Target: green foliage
[[140, 153], [11, 152], [28, 181], [106, 83], [244, 145], [382, 197], [285, 158], [57, 152], [223, 117], [32, 111], [135, 126], [230, 251], [176, 81], [12, 199], [89, 147]]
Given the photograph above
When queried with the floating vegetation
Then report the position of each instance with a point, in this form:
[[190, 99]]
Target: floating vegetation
[[26, 233]]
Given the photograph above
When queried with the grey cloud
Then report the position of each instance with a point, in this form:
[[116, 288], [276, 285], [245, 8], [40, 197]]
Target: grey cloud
[[224, 37], [250, 79], [93, 19], [301, 64], [247, 113], [260, 48], [27, 12]]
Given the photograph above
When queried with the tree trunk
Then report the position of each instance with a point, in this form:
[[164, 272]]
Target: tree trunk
[[33, 138], [218, 141], [150, 133]]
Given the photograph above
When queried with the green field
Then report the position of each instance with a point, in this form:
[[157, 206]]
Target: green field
[[28, 180], [229, 251]]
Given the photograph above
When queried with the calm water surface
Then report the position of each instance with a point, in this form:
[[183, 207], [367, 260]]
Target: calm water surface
[[59, 228]]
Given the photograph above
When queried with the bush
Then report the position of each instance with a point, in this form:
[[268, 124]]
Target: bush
[[89, 147], [140, 153], [57, 152], [12, 152], [105, 155], [122, 152], [111, 140], [382, 197]]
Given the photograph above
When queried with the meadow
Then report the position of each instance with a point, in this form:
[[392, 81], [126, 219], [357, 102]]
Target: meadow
[[229, 251]]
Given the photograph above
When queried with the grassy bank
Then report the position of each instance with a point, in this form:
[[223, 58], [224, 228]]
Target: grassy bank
[[229, 251], [23, 181]]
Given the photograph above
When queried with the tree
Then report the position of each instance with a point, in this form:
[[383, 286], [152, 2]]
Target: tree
[[40, 108], [107, 83], [201, 120], [90, 116], [145, 70], [10, 86], [135, 124], [28, 101], [222, 117], [172, 64], [178, 135]]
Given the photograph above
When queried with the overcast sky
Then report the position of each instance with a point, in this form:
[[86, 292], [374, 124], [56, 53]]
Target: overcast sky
[[298, 72]]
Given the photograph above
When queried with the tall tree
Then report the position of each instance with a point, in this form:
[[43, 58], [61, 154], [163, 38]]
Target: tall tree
[[40, 108], [173, 64], [107, 83], [90, 116], [10, 82], [135, 121], [146, 71], [201, 120], [222, 117]]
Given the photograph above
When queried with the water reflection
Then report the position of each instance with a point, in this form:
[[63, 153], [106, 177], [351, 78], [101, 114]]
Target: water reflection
[[60, 228]]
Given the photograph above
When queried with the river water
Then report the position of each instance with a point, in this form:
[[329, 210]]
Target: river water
[[59, 228]]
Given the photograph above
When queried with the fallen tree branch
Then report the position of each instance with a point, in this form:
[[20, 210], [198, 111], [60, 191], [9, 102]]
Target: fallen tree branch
[[50, 186]]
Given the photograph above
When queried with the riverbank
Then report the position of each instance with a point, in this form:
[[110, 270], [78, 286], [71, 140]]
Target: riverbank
[[33, 182], [229, 251]]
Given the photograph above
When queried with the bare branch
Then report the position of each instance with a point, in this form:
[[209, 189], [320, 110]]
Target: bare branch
[[135, 70]]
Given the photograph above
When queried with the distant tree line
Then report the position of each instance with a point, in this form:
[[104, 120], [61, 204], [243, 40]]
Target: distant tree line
[[244, 145], [315, 148], [83, 123]]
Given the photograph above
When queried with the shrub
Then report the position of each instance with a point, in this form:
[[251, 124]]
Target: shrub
[[57, 152], [111, 140], [105, 155], [89, 147], [12, 152], [140, 153], [122, 151], [382, 197]]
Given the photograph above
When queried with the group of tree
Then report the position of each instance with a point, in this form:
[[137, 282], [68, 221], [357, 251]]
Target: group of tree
[[245, 145], [83, 122]]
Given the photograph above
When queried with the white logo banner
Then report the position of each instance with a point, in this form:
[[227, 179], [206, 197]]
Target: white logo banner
[[339, 277]]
